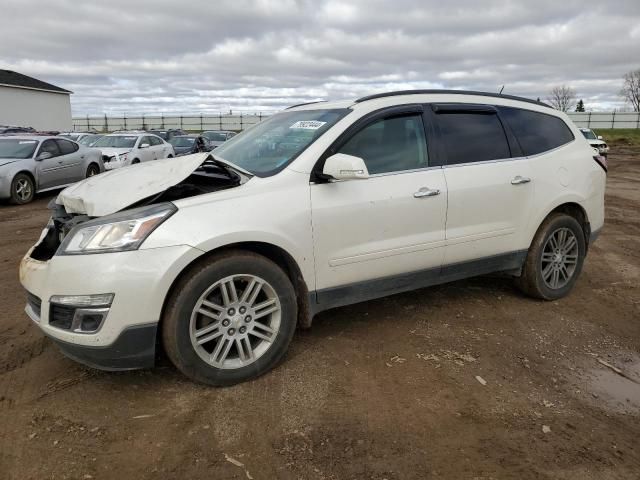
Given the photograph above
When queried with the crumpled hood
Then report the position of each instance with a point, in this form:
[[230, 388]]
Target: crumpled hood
[[112, 191], [7, 161]]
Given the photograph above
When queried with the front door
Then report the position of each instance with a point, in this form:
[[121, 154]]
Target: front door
[[50, 170], [387, 225]]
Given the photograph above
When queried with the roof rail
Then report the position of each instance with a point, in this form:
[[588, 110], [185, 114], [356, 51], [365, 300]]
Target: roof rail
[[457, 92], [306, 103]]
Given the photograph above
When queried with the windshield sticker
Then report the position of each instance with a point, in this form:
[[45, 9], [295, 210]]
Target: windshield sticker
[[307, 125], [22, 142]]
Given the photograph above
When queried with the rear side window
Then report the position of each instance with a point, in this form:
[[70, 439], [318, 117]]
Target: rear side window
[[155, 140], [390, 145], [536, 132], [67, 147], [472, 137]]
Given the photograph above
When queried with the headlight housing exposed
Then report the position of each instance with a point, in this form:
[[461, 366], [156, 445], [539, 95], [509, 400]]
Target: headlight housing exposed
[[119, 232]]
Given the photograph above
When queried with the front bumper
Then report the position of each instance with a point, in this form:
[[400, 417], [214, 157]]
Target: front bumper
[[113, 164], [140, 280], [134, 348]]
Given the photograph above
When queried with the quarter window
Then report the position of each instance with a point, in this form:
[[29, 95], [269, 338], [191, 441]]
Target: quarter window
[[536, 132], [472, 137], [390, 145]]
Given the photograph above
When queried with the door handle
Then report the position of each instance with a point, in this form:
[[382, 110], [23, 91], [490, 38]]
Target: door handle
[[426, 192], [518, 180]]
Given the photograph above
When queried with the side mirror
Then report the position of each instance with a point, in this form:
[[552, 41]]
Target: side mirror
[[44, 156], [345, 167], [599, 137], [144, 145]]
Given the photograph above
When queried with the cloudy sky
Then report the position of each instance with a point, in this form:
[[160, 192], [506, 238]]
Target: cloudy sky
[[205, 56]]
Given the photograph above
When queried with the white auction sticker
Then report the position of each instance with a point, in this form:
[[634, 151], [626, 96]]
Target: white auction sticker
[[308, 124], [27, 142]]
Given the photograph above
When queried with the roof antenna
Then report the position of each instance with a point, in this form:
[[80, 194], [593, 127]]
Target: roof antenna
[[500, 92]]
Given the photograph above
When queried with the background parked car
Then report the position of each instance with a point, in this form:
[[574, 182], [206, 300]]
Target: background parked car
[[122, 149], [89, 139], [167, 135], [188, 144], [31, 164], [218, 137], [8, 129], [75, 136], [595, 141]]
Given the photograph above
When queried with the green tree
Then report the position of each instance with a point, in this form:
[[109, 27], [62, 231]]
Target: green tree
[[580, 106]]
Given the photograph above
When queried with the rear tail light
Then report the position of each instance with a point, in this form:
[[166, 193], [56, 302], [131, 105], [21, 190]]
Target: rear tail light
[[602, 161]]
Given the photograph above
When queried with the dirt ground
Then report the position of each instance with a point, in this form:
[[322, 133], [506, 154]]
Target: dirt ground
[[388, 389]]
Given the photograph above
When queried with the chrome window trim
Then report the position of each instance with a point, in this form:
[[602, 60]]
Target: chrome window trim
[[400, 172]]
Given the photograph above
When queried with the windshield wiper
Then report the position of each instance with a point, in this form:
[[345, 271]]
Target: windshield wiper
[[233, 171]]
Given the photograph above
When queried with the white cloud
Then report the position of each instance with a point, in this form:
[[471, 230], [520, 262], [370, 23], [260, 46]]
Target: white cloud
[[202, 56]]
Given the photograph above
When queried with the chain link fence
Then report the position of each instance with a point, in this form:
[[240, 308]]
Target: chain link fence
[[606, 119], [241, 121], [195, 123]]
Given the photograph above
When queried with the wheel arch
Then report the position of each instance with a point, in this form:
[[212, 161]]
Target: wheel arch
[[276, 254], [575, 210], [30, 174]]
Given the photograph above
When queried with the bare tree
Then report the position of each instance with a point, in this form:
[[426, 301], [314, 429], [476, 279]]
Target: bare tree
[[562, 98], [631, 89]]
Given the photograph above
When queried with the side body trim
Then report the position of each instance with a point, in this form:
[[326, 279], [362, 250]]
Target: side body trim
[[381, 287]]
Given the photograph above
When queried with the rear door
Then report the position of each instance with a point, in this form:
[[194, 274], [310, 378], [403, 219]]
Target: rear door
[[387, 225], [488, 180]]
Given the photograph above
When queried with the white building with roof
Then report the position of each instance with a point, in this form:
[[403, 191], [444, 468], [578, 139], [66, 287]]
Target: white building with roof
[[28, 102]]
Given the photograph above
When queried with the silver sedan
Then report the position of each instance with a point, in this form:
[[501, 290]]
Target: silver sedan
[[30, 164]]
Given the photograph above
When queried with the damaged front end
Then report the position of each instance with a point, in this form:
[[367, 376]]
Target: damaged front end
[[143, 195]]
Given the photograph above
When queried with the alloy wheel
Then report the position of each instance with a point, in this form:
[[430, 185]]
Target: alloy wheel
[[23, 189], [559, 258], [235, 321]]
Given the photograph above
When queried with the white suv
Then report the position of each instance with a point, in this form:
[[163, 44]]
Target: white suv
[[218, 257], [128, 148]]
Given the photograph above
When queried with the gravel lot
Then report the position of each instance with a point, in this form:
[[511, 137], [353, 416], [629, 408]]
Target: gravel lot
[[383, 389]]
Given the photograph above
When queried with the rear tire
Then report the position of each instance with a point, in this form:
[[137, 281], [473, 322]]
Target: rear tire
[[555, 258], [214, 327], [22, 189]]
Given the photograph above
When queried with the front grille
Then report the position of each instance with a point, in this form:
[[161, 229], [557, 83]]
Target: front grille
[[35, 303], [61, 316]]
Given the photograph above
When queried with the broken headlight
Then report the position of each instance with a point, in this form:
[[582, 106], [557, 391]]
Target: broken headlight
[[119, 232]]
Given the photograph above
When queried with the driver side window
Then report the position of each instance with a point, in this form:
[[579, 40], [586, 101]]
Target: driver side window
[[390, 144], [51, 147]]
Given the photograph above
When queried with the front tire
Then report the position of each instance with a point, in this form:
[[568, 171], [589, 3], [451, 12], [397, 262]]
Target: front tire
[[230, 320], [555, 258], [92, 170], [22, 189]]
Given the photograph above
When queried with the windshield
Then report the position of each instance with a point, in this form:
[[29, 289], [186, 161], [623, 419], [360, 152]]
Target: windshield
[[116, 141], [89, 139], [272, 144], [182, 141], [215, 136], [589, 135], [17, 148]]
